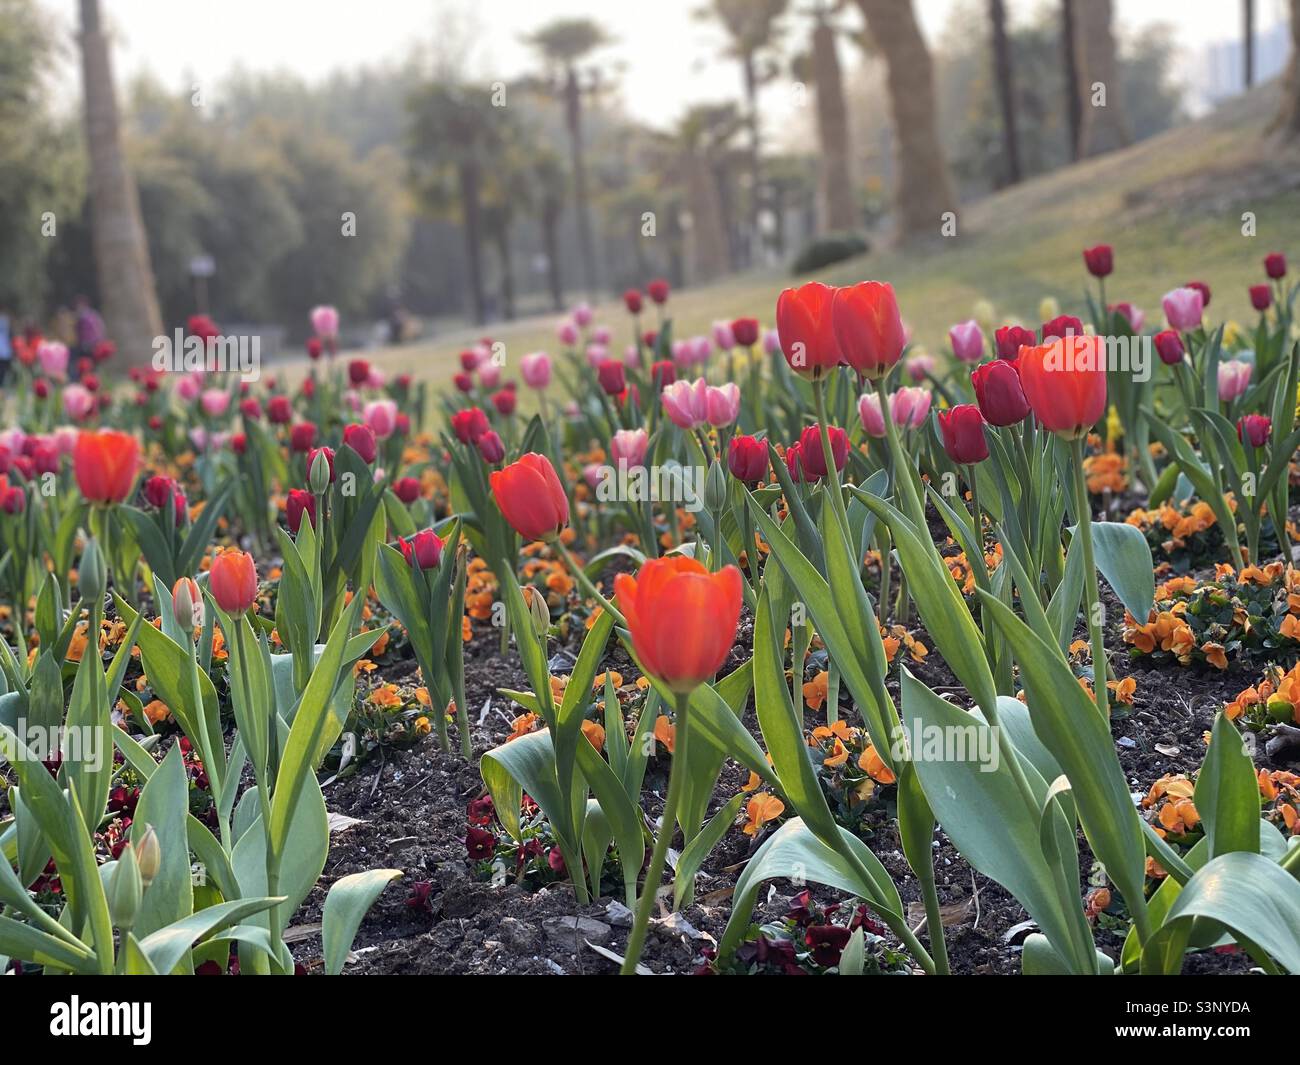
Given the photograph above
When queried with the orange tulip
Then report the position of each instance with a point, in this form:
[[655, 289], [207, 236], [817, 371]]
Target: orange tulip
[[682, 618], [233, 580], [105, 464], [1065, 383], [531, 497], [868, 327], [803, 323]]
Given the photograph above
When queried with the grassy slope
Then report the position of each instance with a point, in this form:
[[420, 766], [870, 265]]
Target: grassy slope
[[1171, 206]]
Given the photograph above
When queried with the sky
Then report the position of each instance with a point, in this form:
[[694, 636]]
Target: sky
[[665, 57]]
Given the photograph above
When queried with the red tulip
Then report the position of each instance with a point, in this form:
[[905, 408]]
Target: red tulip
[[612, 377], [1275, 265], [632, 301], [313, 348], [425, 548], [962, 430], [794, 463], [469, 424], [531, 497], [658, 290], [1203, 289], [1260, 297], [1062, 326], [491, 447], [361, 439], [745, 331], [1169, 346], [1065, 383], [159, 490], [407, 489], [806, 329], [868, 327], [505, 400], [663, 374], [998, 392], [682, 618], [300, 502], [279, 411], [233, 580], [1011, 338], [1100, 260], [302, 436], [813, 454], [105, 464], [13, 500], [1254, 429], [747, 459], [358, 371]]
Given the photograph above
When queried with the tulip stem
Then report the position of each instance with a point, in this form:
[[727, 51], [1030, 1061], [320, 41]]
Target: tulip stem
[[1091, 593], [832, 472], [654, 874], [585, 583]]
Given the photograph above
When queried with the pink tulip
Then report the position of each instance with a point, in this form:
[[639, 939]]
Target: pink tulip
[[215, 402], [596, 354], [909, 406], [967, 341], [381, 416], [869, 411], [376, 378], [723, 336], [78, 402], [687, 403], [13, 441], [601, 334], [632, 357], [591, 473], [1183, 308], [206, 441], [701, 349], [567, 333], [1234, 378], [919, 366], [582, 315], [64, 439], [628, 447], [1132, 314], [53, 358], [536, 370], [489, 374], [771, 341], [325, 322], [188, 387], [723, 404]]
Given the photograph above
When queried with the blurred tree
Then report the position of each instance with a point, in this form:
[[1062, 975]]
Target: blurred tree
[[703, 143], [126, 283], [1287, 120], [509, 189], [753, 27], [563, 44], [453, 136], [836, 207], [551, 182], [1104, 125], [42, 168], [1248, 40], [1006, 89], [1070, 64], [922, 189]]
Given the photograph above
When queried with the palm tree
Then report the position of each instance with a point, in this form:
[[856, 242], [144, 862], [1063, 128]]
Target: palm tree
[[1070, 64], [1287, 121], [1104, 126], [452, 138], [836, 208], [703, 144], [563, 44], [923, 189], [1248, 40], [751, 26], [1005, 80], [126, 284]]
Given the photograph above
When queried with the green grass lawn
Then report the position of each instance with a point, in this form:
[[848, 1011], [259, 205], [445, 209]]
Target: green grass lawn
[[1172, 207]]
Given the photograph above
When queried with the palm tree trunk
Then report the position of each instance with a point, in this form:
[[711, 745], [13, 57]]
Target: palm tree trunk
[[1248, 40], [1287, 121], [507, 272], [707, 237], [573, 118], [551, 241], [922, 189], [1104, 127], [469, 204], [126, 284], [755, 159], [1073, 104], [1005, 79], [836, 207]]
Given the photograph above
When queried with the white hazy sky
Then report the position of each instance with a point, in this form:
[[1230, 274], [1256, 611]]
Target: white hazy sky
[[668, 58]]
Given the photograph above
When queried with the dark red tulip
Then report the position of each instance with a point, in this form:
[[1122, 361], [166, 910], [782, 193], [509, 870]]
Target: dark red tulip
[[158, 490], [361, 439], [813, 454], [747, 459], [998, 392], [505, 400], [658, 290], [279, 411], [302, 436], [1275, 265], [1010, 338], [962, 430], [632, 301], [469, 424], [425, 547], [612, 377], [1100, 260], [1254, 429], [300, 502], [1061, 326], [1260, 297], [663, 374], [745, 331], [358, 371], [407, 489], [1169, 346], [1203, 289], [491, 448]]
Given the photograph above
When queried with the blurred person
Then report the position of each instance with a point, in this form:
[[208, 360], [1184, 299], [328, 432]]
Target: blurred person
[[90, 328], [6, 347]]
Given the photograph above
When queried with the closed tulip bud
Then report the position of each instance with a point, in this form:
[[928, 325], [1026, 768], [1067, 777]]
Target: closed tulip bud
[[491, 447], [1254, 429], [1261, 296], [873, 419], [425, 548], [92, 574], [125, 890], [999, 394], [1275, 265], [1100, 260], [187, 604], [232, 580], [531, 498], [962, 432], [612, 377], [745, 331], [658, 291], [320, 470], [1169, 346], [813, 454], [505, 400], [908, 407], [538, 611], [967, 341], [148, 855], [628, 447], [747, 459], [158, 491], [632, 301], [715, 488], [407, 489]]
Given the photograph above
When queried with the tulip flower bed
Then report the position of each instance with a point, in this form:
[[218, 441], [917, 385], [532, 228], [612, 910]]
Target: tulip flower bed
[[733, 654]]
